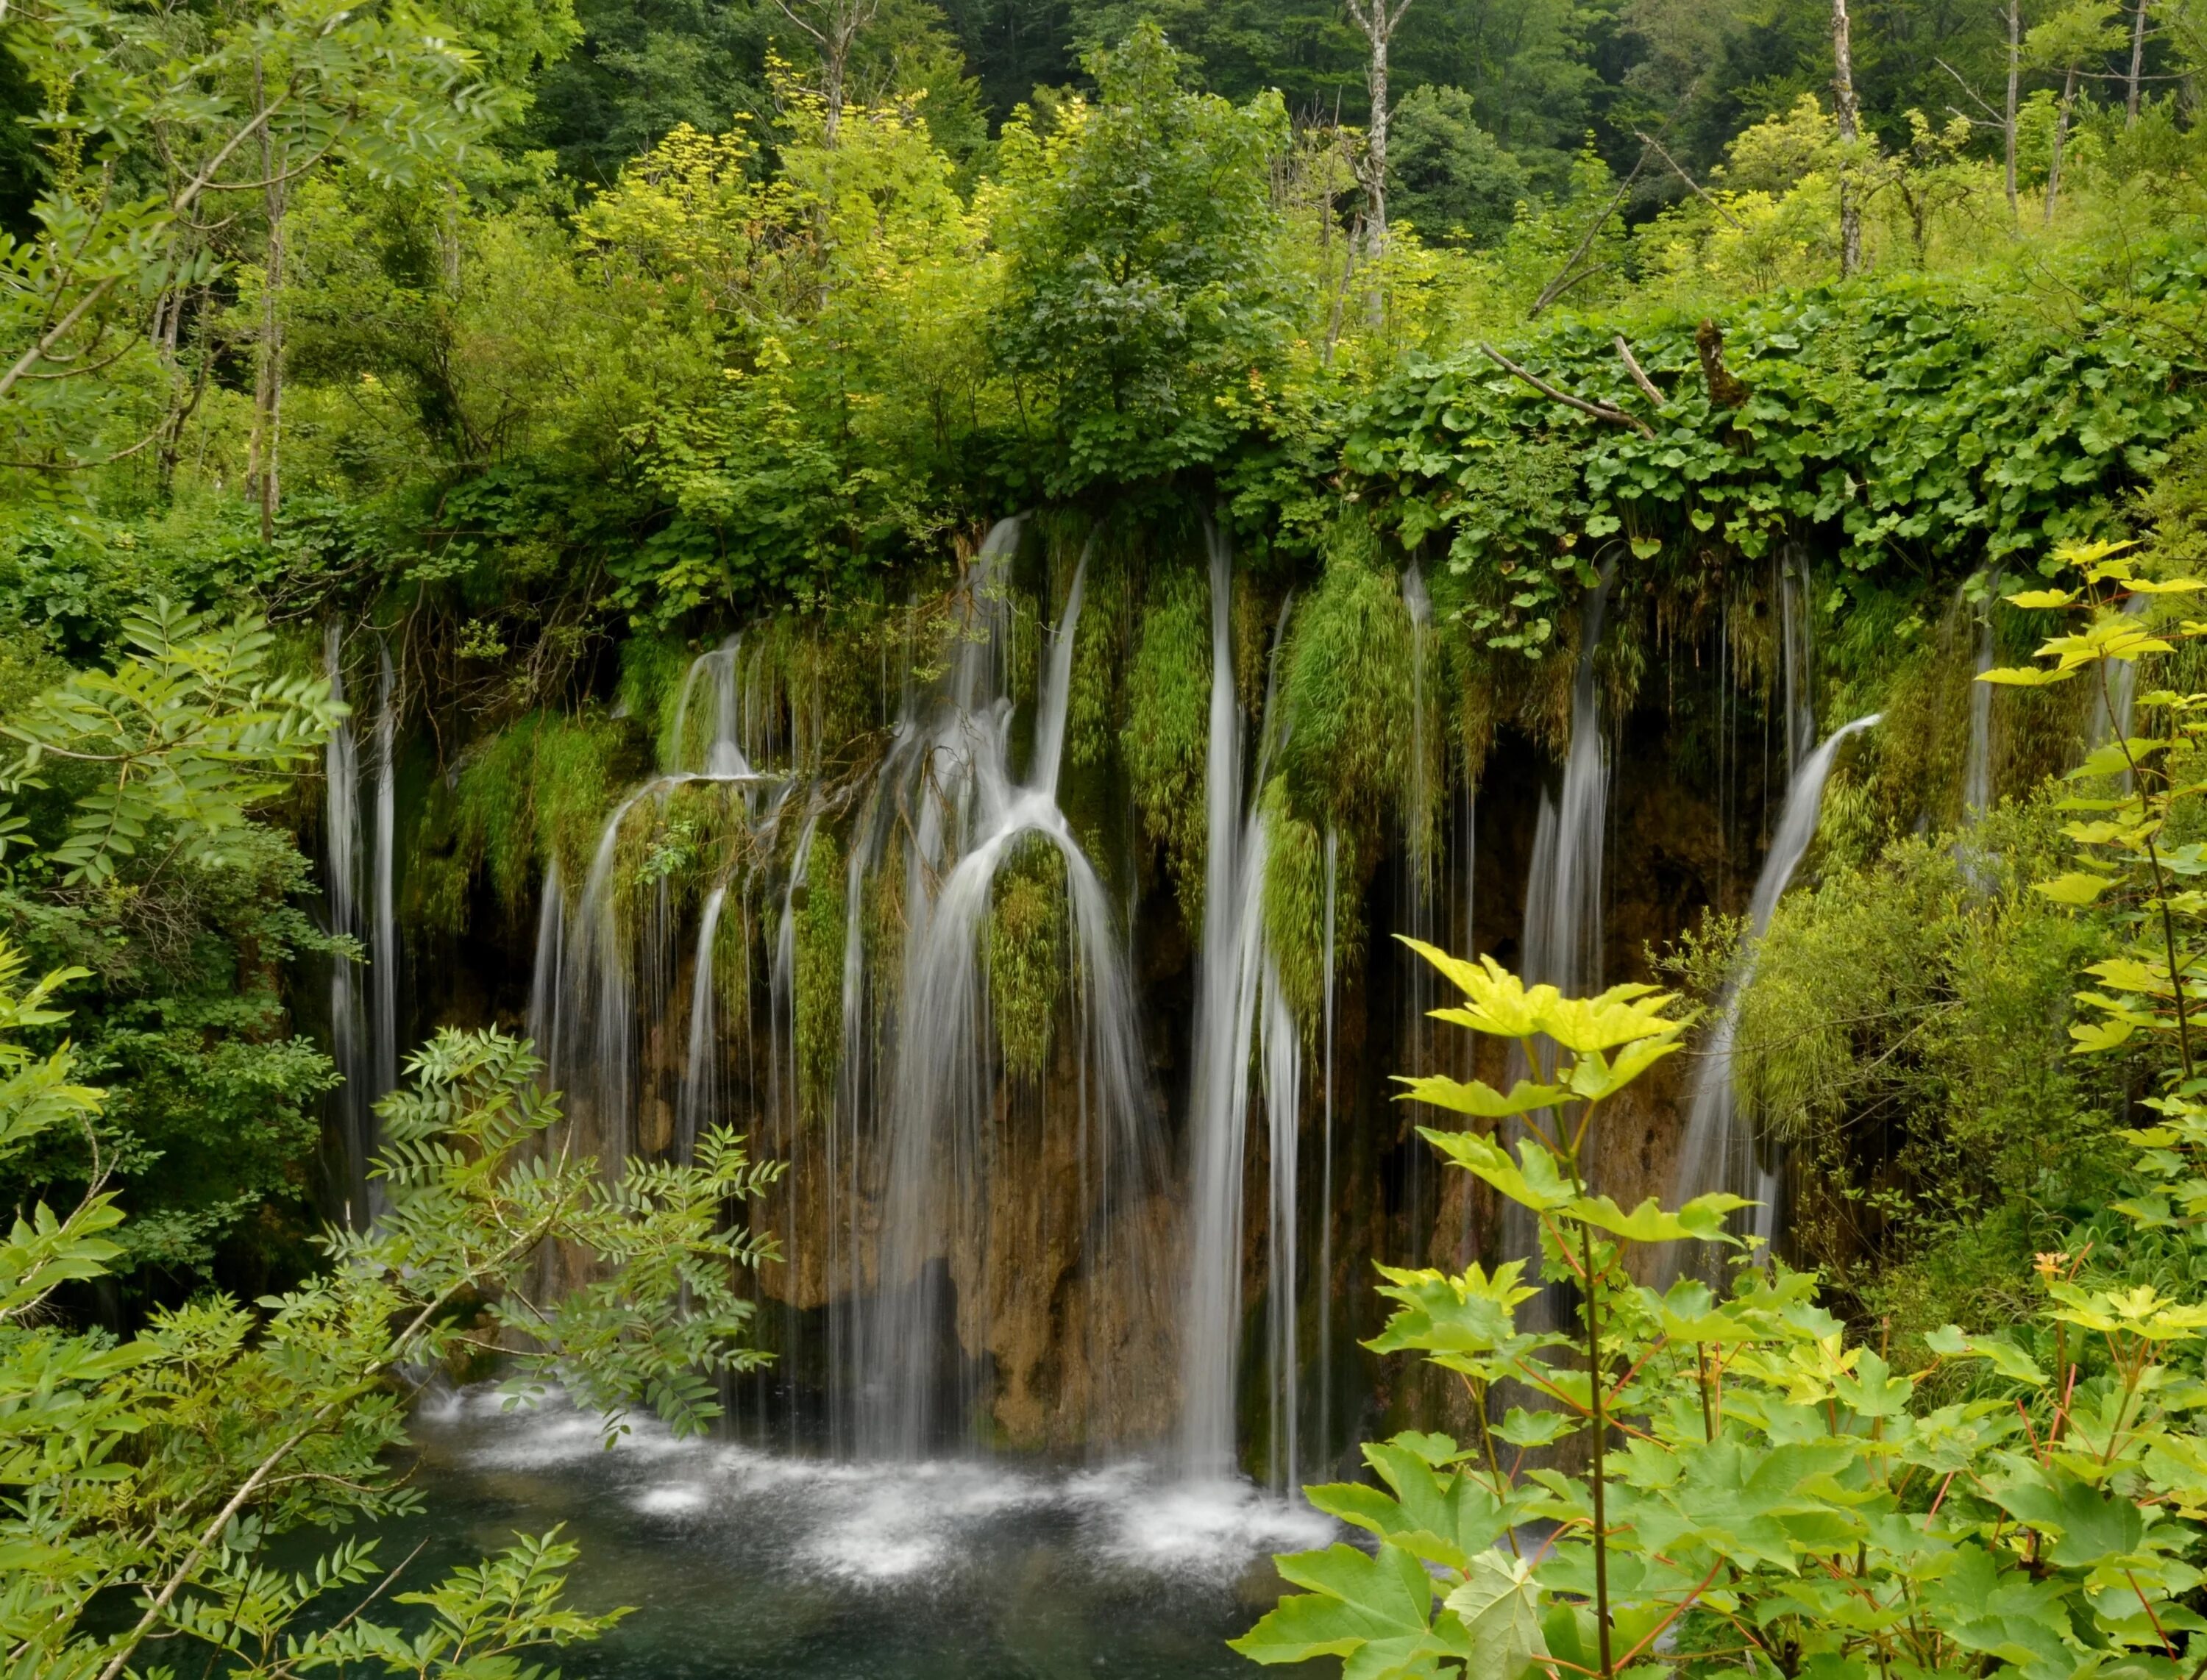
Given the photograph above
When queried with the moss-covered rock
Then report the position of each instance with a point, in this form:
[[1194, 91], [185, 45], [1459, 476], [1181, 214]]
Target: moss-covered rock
[[1168, 728], [1029, 933]]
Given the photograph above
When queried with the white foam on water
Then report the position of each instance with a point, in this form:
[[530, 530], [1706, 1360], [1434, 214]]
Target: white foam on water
[[1213, 1527], [884, 1524]]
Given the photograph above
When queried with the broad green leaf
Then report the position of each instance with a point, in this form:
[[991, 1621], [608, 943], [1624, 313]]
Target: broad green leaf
[[2024, 676], [1701, 1219], [1500, 1605], [2075, 888], [1482, 1101], [2002, 1355], [1375, 1612], [1533, 1180]]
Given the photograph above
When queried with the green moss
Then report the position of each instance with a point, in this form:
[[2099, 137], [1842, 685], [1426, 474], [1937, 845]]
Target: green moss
[[534, 794], [1346, 696], [733, 944], [1029, 932], [1294, 910], [1098, 660], [1168, 728], [652, 668], [819, 977]]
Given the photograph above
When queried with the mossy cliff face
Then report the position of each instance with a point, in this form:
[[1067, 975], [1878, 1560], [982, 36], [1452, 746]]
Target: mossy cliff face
[[1399, 768]]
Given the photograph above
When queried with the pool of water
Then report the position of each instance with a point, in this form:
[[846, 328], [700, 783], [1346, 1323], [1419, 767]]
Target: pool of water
[[744, 1563]]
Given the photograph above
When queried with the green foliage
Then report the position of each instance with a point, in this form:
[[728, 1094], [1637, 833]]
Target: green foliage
[[1968, 431], [1345, 696], [149, 124], [1168, 727], [1295, 909], [1029, 943], [1450, 179], [531, 798], [186, 734], [157, 1469], [1142, 295], [1903, 1035]]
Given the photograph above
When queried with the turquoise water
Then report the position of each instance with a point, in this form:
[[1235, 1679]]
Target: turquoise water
[[746, 1564]]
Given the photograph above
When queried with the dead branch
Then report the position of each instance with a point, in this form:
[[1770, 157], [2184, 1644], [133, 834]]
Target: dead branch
[[1598, 410], [1692, 185], [1565, 277], [1639, 374]]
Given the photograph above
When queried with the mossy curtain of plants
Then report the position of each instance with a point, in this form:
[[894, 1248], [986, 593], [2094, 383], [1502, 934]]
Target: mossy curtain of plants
[[541, 348]]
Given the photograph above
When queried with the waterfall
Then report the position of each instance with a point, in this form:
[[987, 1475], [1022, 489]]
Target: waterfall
[[1325, 1213], [1229, 971], [916, 1390], [721, 754], [1239, 1011], [590, 989], [699, 1108], [1719, 1150], [1562, 941], [364, 1018], [1212, 1328], [383, 944], [1977, 764], [350, 1039]]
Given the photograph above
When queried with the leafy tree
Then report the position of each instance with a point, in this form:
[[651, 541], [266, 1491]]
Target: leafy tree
[[1142, 291], [1452, 180], [151, 124], [143, 867], [185, 736]]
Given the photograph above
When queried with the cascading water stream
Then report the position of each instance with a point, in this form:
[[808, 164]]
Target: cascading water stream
[[1562, 936], [584, 1002], [916, 1390], [1719, 1151], [1561, 942], [1242, 1017], [363, 1008], [350, 1043], [383, 944], [699, 1106], [1211, 1328], [1977, 762]]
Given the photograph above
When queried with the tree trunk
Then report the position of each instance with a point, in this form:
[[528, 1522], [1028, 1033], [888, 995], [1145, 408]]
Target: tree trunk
[[268, 389], [262, 446], [1845, 109], [1375, 159], [2014, 72], [2138, 65], [832, 59], [2060, 141]]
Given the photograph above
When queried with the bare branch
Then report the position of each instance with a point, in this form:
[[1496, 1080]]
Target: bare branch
[[1639, 374], [1598, 410], [31, 357], [1694, 186], [1565, 277], [1993, 114]]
